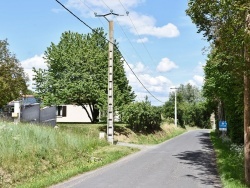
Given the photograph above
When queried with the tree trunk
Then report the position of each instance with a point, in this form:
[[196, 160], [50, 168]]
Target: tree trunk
[[247, 101], [94, 113], [246, 128], [86, 110]]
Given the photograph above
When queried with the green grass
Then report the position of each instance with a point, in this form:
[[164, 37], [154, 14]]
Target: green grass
[[38, 156], [230, 161], [159, 136]]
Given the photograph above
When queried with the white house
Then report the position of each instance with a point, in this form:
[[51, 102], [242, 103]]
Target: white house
[[72, 114], [76, 114]]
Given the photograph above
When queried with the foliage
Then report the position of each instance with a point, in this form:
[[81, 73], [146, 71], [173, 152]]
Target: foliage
[[12, 77], [223, 85], [223, 24], [226, 23], [142, 116], [192, 109], [77, 74], [230, 160]]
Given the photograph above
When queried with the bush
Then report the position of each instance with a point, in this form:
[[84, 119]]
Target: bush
[[141, 116]]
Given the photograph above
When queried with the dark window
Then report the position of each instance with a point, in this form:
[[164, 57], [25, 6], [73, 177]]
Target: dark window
[[62, 111]]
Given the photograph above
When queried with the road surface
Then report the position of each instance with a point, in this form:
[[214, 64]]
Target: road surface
[[186, 161]]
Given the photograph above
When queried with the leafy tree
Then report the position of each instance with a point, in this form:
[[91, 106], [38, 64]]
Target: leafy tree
[[142, 116], [12, 77], [77, 74], [191, 107], [222, 86], [227, 24]]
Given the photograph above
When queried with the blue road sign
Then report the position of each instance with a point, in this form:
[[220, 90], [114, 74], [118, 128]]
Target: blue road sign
[[222, 125]]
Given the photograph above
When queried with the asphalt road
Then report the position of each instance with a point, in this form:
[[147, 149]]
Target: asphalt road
[[186, 161]]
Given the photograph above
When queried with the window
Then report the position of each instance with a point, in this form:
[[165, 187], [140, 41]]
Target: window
[[62, 111]]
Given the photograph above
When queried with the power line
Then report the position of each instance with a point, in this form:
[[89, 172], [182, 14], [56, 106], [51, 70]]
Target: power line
[[93, 30], [124, 31], [134, 50], [138, 33], [83, 2], [106, 5], [129, 40]]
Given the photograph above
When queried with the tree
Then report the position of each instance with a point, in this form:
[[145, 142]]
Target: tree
[[227, 24], [191, 107], [142, 116], [77, 74], [222, 86], [12, 77]]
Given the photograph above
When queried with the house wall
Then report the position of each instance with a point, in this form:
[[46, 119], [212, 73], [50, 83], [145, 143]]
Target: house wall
[[74, 114]]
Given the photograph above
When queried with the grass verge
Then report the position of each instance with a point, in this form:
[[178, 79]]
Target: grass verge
[[230, 161], [38, 156], [124, 134]]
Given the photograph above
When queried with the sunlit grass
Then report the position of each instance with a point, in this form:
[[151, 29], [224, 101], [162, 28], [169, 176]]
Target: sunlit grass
[[166, 132], [38, 156], [230, 160]]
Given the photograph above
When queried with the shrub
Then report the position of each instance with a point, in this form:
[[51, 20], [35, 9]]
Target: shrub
[[141, 116]]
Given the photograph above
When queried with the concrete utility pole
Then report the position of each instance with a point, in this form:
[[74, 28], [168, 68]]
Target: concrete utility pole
[[110, 118], [175, 106], [110, 114]]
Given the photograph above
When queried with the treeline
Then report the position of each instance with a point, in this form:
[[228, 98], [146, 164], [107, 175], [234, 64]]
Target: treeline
[[226, 25], [13, 80], [192, 108]]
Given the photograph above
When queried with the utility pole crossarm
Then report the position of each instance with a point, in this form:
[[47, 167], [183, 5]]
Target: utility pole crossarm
[[111, 13]]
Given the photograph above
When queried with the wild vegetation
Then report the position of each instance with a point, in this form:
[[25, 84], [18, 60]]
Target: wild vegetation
[[230, 160], [226, 25], [38, 156], [142, 116], [77, 74], [192, 107], [13, 80]]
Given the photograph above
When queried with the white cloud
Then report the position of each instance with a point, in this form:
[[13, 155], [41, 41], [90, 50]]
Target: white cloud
[[166, 65], [102, 7], [138, 68], [198, 75], [146, 25], [136, 22], [157, 85], [198, 79], [142, 40], [37, 62], [199, 69], [191, 82]]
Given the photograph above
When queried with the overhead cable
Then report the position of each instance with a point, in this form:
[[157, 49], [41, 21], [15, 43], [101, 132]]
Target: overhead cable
[[138, 33], [93, 30]]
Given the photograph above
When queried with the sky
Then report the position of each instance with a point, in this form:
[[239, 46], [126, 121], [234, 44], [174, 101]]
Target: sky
[[157, 39]]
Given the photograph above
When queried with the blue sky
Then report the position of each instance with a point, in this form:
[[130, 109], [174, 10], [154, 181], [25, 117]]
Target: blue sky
[[157, 39]]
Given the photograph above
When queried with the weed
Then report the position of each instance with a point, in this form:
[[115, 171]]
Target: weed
[[230, 160]]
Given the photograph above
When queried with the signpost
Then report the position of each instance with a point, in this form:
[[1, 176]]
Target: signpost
[[222, 125]]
